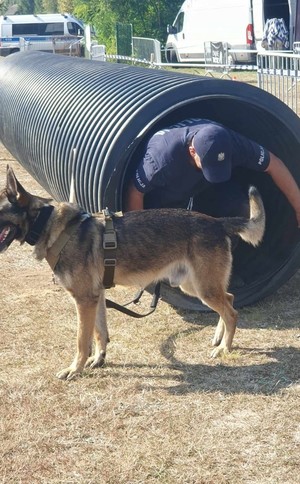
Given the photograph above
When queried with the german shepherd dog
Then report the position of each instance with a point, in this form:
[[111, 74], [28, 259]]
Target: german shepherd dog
[[189, 249]]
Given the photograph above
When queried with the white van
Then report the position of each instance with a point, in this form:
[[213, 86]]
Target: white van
[[237, 23], [39, 32]]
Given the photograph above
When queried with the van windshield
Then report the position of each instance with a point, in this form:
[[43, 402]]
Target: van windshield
[[179, 22], [75, 29]]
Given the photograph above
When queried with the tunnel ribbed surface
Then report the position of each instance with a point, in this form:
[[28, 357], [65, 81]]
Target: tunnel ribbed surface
[[62, 115]]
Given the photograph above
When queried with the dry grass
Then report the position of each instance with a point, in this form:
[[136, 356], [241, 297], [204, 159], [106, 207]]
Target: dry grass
[[249, 76], [160, 411]]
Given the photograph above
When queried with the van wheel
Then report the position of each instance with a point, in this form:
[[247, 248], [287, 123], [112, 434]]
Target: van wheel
[[173, 57], [231, 60]]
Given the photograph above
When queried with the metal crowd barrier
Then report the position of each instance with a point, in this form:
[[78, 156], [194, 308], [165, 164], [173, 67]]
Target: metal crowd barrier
[[60, 44], [278, 73]]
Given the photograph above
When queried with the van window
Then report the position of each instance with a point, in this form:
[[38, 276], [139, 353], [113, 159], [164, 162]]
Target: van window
[[52, 29], [74, 29], [38, 29], [179, 22], [25, 29]]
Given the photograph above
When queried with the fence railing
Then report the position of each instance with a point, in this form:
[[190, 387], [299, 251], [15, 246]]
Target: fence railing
[[279, 73], [144, 50], [56, 44]]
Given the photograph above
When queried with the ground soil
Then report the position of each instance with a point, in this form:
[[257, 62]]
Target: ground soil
[[160, 410]]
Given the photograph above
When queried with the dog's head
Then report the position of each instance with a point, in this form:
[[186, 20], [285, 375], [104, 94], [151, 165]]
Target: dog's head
[[18, 210]]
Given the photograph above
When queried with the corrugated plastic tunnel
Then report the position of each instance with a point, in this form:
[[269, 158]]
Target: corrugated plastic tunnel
[[62, 116]]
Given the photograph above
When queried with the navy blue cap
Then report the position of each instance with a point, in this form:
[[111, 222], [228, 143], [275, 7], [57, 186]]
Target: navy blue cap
[[213, 145]]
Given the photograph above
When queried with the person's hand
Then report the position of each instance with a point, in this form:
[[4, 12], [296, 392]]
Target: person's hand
[[284, 180]]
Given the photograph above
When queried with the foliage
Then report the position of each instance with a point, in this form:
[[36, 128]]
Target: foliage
[[47, 6], [97, 13], [26, 6], [3, 7], [65, 6], [148, 17]]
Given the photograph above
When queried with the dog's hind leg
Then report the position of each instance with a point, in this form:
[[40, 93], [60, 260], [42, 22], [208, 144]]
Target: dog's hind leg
[[221, 325], [221, 302], [101, 336], [86, 313], [214, 295]]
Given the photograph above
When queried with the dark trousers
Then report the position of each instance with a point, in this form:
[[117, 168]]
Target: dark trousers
[[227, 199]]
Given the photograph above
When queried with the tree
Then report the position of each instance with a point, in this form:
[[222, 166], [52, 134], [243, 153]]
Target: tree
[[46, 6], [148, 17], [3, 7], [26, 6], [99, 14], [65, 6]]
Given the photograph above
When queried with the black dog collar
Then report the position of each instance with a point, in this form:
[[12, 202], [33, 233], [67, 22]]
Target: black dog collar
[[38, 225]]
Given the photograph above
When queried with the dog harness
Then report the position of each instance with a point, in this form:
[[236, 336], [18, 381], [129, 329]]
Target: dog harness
[[110, 261], [109, 247]]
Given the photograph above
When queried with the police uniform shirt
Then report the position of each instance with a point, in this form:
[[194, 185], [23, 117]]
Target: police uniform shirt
[[167, 175]]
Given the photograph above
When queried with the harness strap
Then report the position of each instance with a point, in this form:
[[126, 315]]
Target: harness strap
[[54, 252], [110, 250], [156, 295]]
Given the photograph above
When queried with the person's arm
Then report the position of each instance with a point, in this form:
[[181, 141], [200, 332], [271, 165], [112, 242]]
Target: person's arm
[[134, 199], [283, 178]]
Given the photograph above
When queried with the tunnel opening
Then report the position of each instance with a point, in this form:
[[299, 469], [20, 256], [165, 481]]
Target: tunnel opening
[[256, 271]]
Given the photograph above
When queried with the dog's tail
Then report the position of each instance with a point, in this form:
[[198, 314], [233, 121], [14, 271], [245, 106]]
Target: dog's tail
[[250, 230]]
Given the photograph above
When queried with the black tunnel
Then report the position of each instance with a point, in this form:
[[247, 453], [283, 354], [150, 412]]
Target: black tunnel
[[63, 115]]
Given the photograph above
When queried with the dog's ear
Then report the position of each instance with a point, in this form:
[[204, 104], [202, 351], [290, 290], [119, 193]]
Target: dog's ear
[[14, 190], [17, 194]]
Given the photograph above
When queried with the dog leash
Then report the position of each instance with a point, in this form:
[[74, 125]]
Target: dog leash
[[123, 309]]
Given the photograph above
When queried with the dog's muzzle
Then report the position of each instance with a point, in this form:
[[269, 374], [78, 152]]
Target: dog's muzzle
[[8, 234]]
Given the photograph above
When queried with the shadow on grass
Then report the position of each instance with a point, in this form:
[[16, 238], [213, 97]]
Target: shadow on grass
[[262, 379], [282, 371], [224, 377]]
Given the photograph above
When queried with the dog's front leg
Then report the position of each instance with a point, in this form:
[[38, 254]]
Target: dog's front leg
[[86, 314], [100, 335]]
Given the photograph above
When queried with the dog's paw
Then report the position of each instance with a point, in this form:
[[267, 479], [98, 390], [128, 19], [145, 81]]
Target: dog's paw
[[216, 340], [95, 361], [219, 351], [68, 374]]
